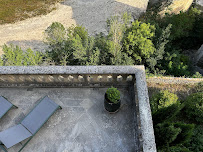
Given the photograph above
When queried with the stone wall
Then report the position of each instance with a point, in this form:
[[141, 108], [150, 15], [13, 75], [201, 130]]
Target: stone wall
[[199, 57]]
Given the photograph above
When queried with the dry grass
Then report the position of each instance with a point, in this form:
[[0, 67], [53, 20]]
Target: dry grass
[[182, 90], [16, 10]]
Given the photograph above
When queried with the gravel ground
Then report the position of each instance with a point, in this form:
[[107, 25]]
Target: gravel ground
[[90, 13]]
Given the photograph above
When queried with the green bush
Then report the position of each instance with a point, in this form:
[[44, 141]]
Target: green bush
[[186, 133], [72, 46], [197, 75], [113, 94], [172, 134], [165, 133], [163, 99], [137, 42], [55, 34], [186, 29], [196, 142], [166, 113], [176, 64], [199, 87], [194, 107], [15, 56]]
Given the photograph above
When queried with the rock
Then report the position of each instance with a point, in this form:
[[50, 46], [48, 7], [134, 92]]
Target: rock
[[199, 2], [199, 57], [171, 6]]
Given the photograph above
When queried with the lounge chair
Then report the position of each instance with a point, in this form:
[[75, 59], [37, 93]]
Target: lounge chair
[[29, 126], [5, 106]]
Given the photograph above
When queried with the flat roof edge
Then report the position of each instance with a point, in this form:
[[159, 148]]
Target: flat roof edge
[[69, 69], [146, 123]]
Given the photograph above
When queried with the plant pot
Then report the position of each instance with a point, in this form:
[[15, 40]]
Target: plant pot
[[110, 106]]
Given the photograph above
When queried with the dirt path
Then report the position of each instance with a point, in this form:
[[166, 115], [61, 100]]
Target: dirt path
[[90, 13]]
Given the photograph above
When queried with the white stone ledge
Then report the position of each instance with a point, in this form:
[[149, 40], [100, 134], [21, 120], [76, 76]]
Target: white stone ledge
[[69, 69]]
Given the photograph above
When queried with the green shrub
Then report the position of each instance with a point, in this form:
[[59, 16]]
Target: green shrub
[[186, 133], [72, 46], [166, 113], [137, 42], [199, 87], [165, 133], [15, 56], [176, 64], [197, 75], [113, 94], [196, 142], [163, 99], [161, 39], [55, 34], [173, 134], [194, 107]]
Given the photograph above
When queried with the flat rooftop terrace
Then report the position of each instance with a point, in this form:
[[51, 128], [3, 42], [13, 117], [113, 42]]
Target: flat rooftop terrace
[[83, 125]]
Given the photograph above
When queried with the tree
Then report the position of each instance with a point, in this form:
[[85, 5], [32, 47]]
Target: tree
[[138, 41], [116, 28], [15, 56], [160, 44]]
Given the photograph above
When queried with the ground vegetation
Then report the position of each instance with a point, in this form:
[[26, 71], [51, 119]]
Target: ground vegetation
[[21, 9]]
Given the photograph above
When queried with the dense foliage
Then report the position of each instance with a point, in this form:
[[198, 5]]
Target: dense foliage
[[186, 32], [163, 99], [158, 43], [194, 107], [113, 94], [172, 131], [196, 142], [14, 56], [138, 41]]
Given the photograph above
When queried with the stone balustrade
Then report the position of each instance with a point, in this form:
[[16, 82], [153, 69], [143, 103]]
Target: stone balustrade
[[66, 79]]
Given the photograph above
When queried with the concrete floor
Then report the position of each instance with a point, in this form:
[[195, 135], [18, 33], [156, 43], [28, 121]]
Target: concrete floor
[[82, 125]]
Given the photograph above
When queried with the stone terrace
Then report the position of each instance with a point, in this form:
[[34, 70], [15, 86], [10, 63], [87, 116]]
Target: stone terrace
[[83, 125]]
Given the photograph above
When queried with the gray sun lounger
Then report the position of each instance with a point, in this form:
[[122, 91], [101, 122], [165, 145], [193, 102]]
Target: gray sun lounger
[[5, 106], [29, 126]]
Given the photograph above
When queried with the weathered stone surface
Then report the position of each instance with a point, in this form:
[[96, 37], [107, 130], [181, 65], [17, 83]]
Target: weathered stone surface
[[199, 57], [172, 6], [83, 125], [200, 2]]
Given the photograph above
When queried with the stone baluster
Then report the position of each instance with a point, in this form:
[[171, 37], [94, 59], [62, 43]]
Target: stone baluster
[[70, 78], [119, 78], [99, 78], [129, 78], [89, 78], [81, 78], [61, 78], [109, 78]]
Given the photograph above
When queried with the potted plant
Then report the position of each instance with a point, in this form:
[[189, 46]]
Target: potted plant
[[112, 100]]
